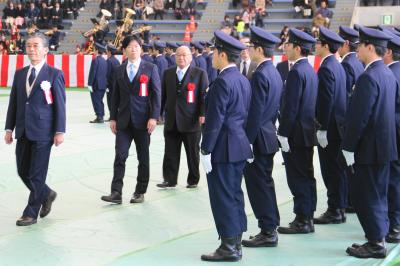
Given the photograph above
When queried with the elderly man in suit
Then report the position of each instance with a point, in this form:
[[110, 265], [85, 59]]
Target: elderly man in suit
[[134, 111], [37, 113], [183, 89], [246, 66]]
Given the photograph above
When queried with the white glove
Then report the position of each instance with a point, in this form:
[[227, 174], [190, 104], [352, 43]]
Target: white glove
[[322, 138], [284, 143], [90, 88], [206, 162], [349, 157], [107, 90], [251, 160]]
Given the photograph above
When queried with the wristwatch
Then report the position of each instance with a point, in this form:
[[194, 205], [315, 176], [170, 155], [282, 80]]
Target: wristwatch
[[203, 152]]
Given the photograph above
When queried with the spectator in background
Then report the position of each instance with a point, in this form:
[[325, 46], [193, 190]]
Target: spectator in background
[[3, 48], [170, 4], [246, 18], [44, 16], [298, 7], [240, 28], [158, 7], [227, 22], [56, 14], [116, 11], [284, 36], [138, 6], [9, 14], [32, 14], [20, 44], [325, 12], [105, 4], [20, 15], [54, 41], [71, 8]]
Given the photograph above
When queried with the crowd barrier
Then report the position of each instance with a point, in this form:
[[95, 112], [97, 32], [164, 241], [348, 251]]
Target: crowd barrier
[[76, 67]]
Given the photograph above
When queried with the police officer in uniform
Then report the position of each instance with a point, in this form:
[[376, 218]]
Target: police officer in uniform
[[146, 56], [112, 63], [331, 111], [170, 53], [159, 58], [266, 84], [369, 143], [225, 147], [296, 132], [198, 58], [211, 71]]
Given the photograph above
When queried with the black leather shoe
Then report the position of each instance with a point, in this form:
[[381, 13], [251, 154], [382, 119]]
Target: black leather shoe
[[25, 221], [263, 239], [166, 184], [191, 186], [370, 249], [46, 206], [227, 251], [300, 225], [137, 198], [331, 216], [114, 197], [394, 235], [98, 120]]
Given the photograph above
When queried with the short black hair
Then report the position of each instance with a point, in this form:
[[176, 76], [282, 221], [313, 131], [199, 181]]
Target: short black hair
[[130, 38], [304, 51], [332, 47], [267, 52], [232, 57], [396, 55]]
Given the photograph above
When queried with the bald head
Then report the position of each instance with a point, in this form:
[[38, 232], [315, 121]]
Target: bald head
[[183, 57]]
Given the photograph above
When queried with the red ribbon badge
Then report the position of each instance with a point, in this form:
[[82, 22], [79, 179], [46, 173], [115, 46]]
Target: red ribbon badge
[[49, 96], [143, 91], [190, 97]]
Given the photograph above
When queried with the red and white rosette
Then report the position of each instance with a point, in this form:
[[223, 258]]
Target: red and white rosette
[[45, 86], [190, 96], [143, 90]]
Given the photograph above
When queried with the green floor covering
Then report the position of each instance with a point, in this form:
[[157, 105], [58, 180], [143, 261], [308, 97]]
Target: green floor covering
[[173, 227]]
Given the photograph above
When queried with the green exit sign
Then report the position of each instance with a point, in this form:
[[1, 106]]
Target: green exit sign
[[387, 19]]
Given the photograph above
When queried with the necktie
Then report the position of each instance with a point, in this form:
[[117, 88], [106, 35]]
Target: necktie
[[290, 66], [244, 70], [32, 76], [132, 73], [180, 75]]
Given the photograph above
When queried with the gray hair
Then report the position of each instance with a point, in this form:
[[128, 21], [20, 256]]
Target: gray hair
[[41, 36]]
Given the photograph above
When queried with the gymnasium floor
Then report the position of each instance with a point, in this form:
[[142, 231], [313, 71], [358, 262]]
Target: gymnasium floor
[[172, 227]]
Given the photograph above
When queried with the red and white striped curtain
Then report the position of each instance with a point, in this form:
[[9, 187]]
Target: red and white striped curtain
[[76, 67]]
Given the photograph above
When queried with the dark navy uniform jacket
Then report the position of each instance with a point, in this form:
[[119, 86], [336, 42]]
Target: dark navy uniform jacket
[[297, 111], [353, 69], [112, 63], [200, 62], [211, 71], [370, 120], [162, 65], [331, 100], [283, 69], [395, 68], [148, 58], [227, 106], [98, 74], [266, 87], [171, 60]]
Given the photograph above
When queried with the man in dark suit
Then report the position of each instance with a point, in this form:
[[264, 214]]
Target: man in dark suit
[[37, 113], [112, 64], [183, 90], [331, 111], [198, 58], [369, 143], [266, 85], [170, 53], [391, 59], [225, 147], [296, 132], [246, 66], [97, 82], [134, 111]]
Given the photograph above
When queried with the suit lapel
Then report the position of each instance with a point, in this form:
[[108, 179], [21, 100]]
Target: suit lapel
[[41, 76], [124, 76], [188, 77], [138, 73], [22, 81]]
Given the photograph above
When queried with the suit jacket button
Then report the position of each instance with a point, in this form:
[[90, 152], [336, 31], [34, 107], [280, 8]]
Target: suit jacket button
[[27, 102]]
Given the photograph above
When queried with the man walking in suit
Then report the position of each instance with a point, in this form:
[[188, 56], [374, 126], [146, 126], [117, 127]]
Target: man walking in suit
[[37, 113], [266, 85], [112, 63], [331, 111], [225, 147], [97, 82], [183, 89], [296, 132], [246, 66], [369, 143], [134, 111]]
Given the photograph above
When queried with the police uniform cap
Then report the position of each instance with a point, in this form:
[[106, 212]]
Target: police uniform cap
[[202, 43], [374, 36], [147, 45], [330, 37], [172, 45], [197, 45], [209, 44], [301, 38], [348, 34], [159, 44], [394, 44], [261, 37], [390, 30], [99, 47], [356, 27], [228, 43]]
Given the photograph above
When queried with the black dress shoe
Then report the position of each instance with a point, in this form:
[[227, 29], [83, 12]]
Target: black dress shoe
[[331, 216], [263, 239], [227, 251], [137, 198], [114, 197], [166, 184], [98, 120], [46, 206], [191, 186], [394, 235], [25, 221], [300, 225], [370, 249]]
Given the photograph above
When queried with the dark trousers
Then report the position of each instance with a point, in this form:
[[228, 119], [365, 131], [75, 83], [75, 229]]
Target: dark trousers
[[334, 175], [97, 102], [172, 155], [109, 95], [122, 144], [32, 165], [394, 194], [301, 180], [369, 187], [158, 13], [261, 190], [226, 198]]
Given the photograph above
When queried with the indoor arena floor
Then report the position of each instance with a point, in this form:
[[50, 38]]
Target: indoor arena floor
[[172, 227]]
